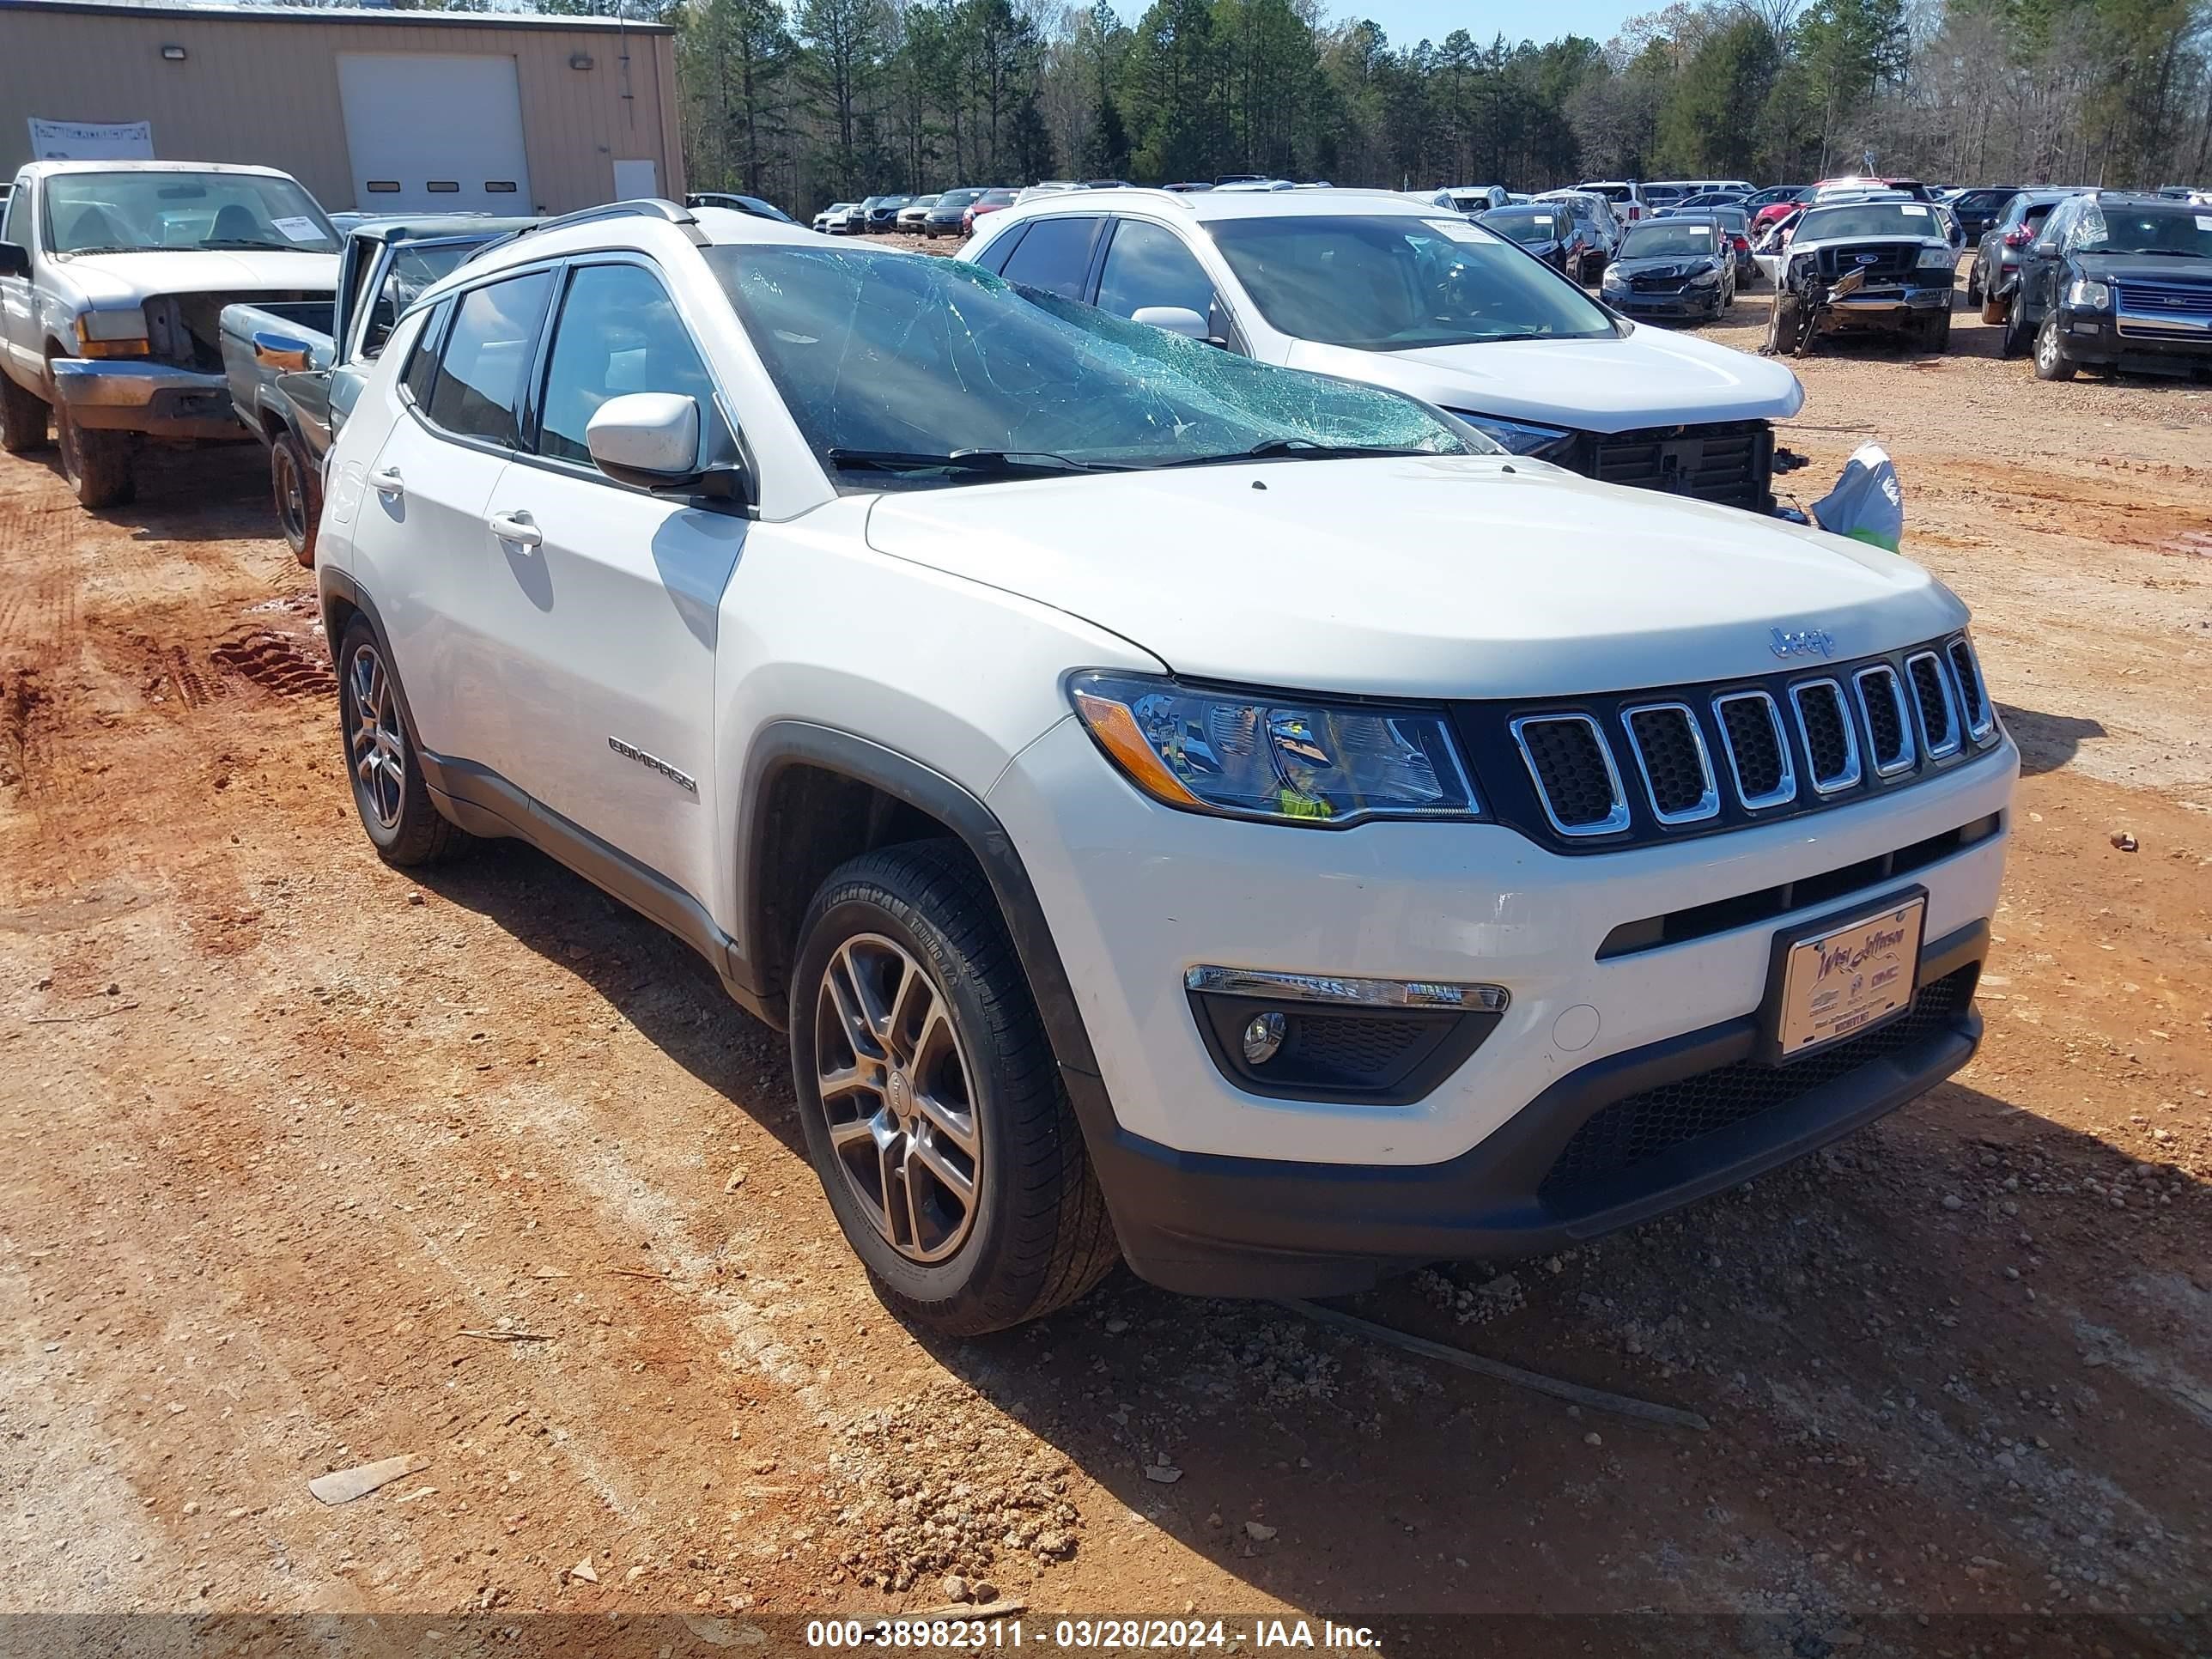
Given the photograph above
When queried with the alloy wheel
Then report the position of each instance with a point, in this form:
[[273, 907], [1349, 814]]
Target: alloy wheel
[[896, 1093], [375, 742]]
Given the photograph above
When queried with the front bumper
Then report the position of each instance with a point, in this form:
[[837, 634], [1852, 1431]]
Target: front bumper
[[1689, 302], [2178, 347], [1134, 894], [1241, 1227], [158, 400], [1886, 308]]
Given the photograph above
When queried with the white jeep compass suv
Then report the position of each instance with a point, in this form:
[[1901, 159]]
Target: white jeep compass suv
[[1181, 808]]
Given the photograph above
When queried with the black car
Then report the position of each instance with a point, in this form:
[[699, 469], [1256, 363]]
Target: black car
[[1547, 230], [883, 212], [1996, 257], [942, 218], [1672, 268], [1978, 209], [2116, 281]]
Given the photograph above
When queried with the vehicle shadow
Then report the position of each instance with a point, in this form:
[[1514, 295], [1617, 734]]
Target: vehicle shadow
[[217, 493], [647, 977], [1844, 1331], [2046, 742], [1854, 1338]]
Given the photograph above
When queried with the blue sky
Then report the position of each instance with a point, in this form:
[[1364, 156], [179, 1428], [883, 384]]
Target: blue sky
[[1408, 20]]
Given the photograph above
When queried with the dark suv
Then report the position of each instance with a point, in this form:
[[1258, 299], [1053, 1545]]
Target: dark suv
[[1978, 209], [1996, 253], [2116, 281], [942, 218]]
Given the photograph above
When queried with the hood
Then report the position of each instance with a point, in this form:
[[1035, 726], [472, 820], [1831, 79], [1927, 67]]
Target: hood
[[126, 278], [2176, 268], [1645, 377], [1423, 577]]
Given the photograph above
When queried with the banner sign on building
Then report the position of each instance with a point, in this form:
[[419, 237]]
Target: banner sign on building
[[91, 140]]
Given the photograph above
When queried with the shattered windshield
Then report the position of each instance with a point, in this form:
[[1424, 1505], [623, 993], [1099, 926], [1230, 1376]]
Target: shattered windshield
[[2127, 230], [1868, 219], [1395, 282], [156, 209], [901, 369]]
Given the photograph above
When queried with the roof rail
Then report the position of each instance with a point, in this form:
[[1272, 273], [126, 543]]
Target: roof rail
[[641, 207]]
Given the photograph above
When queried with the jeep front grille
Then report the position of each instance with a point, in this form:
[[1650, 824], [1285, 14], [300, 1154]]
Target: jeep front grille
[[1704, 758]]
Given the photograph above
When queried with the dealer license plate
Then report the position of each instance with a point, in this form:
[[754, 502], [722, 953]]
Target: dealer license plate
[[1839, 983]]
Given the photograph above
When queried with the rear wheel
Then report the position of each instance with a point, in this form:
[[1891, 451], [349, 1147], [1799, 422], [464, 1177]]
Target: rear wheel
[[2014, 342], [934, 1108], [298, 497], [1974, 283], [403, 823], [23, 418], [98, 465], [2051, 361]]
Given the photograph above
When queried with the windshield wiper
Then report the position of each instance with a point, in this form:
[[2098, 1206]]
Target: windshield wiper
[[213, 243], [1302, 449], [1001, 463]]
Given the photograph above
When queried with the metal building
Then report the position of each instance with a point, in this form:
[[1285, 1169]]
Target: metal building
[[372, 109]]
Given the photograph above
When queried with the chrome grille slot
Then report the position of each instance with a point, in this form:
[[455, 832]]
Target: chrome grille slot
[[1576, 782], [1973, 694], [1832, 747], [1889, 726], [1758, 751], [1672, 759], [1932, 700]]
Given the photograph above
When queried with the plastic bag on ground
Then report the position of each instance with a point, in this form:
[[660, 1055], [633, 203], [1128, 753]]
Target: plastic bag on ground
[[1866, 504]]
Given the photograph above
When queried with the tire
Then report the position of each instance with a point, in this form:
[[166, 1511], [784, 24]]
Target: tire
[[23, 418], [98, 465], [402, 821], [2052, 362], [1974, 283], [893, 941], [2014, 342], [298, 496]]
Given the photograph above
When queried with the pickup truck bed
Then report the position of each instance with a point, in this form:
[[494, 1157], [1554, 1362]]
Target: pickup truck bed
[[261, 401]]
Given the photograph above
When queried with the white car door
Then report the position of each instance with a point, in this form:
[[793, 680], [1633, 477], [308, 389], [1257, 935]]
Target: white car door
[[423, 547], [19, 326], [608, 596]]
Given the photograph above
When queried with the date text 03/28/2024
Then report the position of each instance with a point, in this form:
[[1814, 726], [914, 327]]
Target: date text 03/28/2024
[[892, 1634]]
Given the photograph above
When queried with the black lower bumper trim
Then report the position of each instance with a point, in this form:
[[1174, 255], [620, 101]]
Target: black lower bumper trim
[[1237, 1226]]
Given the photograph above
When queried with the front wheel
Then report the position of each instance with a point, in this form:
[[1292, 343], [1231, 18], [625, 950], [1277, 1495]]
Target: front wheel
[[98, 465], [23, 418], [932, 1107], [2052, 362]]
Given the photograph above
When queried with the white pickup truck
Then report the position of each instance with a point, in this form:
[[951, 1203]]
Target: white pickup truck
[[112, 277]]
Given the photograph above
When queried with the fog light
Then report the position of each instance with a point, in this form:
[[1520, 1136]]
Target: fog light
[[1263, 1036]]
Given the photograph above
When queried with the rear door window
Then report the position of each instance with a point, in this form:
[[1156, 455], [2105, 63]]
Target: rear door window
[[1055, 256], [423, 362], [487, 360]]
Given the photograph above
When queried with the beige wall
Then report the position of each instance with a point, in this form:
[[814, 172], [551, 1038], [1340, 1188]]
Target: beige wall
[[263, 89]]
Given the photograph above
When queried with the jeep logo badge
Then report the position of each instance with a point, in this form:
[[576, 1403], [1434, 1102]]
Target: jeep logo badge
[[1788, 642]]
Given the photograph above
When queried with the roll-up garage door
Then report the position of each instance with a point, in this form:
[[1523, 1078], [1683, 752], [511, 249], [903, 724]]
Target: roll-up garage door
[[434, 132]]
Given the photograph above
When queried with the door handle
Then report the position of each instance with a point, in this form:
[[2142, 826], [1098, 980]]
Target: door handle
[[386, 481], [516, 527]]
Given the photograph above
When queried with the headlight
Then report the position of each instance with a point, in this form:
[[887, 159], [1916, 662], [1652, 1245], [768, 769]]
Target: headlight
[[1706, 279], [111, 333], [2088, 293], [1612, 278], [1283, 758], [1514, 437], [1938, 258]]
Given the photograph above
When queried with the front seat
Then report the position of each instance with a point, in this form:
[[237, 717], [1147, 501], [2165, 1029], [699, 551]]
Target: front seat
[[236, 223]]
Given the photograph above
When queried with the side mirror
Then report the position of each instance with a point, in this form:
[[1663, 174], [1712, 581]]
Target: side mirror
[[649, 439], [1175, 319], [15, 259], [274, 351]]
